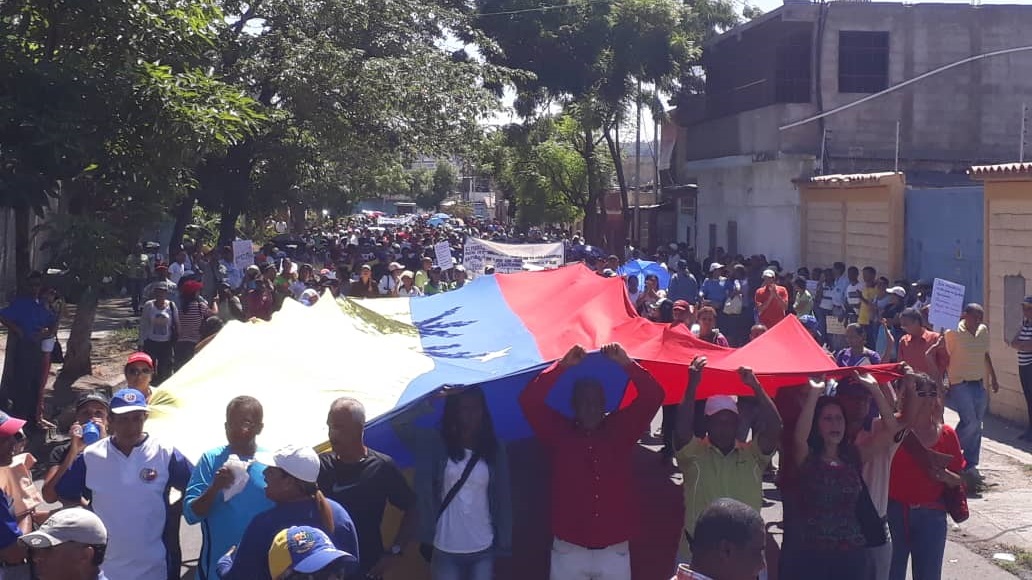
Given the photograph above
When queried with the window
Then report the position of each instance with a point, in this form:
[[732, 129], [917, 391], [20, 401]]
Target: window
[[792, 76], [732, 238], [863, 62], [712, 239]]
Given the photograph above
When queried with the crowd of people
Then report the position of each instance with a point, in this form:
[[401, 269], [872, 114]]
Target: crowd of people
[[868, 472]]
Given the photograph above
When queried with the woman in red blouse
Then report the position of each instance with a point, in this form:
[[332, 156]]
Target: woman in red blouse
[[917, 514]]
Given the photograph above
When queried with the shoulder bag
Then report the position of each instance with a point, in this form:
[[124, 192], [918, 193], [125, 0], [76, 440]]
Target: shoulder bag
[[427, 550]]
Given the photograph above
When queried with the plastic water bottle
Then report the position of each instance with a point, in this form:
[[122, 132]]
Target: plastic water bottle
[[90, 433]]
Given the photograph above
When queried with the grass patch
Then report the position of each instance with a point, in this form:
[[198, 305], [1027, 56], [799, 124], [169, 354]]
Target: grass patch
[[126, 336], [1020, 567]]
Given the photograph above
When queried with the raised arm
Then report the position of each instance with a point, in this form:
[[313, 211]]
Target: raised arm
[[805, 423], [768, 438], [544, 420], [635, 417], [884, 437], [686, 410]]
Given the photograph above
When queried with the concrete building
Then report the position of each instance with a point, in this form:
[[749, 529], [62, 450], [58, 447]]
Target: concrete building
[[1008, 263], [740, 142]]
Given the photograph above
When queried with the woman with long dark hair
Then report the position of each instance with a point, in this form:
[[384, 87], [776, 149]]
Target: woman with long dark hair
[[462, 480], [829, 537]]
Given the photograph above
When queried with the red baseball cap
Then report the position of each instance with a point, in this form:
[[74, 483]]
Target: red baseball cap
[[10, 425], [682, 305], [140, 357]]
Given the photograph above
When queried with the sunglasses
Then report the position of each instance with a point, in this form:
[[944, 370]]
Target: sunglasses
[[141, 371], [927, 393]]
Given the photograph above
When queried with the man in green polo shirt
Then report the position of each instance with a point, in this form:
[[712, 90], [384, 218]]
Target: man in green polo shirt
[[718, 465]]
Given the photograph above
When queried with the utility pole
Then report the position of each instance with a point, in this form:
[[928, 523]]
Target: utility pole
[[657, 111], [637, 166], [897, 148], [1024, 120]]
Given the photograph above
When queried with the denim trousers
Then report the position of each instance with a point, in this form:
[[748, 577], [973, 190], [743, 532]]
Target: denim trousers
[[970, 401], [475, 566], [918, 535]]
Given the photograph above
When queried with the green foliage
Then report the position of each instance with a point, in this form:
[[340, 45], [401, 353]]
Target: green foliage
[[446, 179], [540, 168], [88, 246]]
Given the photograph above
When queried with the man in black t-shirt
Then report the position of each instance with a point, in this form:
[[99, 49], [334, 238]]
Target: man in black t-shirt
[[363, 481]]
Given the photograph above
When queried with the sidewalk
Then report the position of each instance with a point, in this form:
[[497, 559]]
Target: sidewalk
[[999, 519]]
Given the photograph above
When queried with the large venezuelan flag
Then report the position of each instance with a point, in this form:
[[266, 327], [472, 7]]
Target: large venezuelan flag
[[498, 331]]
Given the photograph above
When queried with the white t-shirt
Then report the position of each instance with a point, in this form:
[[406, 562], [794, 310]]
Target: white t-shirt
[[876, 469], [176, 271], [465, 525]]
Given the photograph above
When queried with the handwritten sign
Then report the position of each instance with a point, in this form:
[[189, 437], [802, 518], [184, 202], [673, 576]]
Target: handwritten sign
[[444, 257], [507, 258], [243, 254], [947, 304]]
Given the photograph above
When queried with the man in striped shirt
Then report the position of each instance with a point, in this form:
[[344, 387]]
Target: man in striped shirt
[[1022, 342]]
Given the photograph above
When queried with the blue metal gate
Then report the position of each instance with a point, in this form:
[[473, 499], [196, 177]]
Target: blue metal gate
[[944, 231]]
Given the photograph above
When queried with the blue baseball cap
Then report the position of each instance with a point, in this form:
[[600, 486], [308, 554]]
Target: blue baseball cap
[[303, 549], [127, 401]]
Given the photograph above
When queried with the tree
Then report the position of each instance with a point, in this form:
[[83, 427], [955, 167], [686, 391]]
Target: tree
[[588, 57], [445, 181], [359, 88], [109, 106], [750, 12]]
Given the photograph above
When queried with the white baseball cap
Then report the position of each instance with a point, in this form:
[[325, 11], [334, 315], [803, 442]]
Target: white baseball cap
[[68, 525], [715, 266], [768, 273], [718, 403], [300, 462], [898, 291]]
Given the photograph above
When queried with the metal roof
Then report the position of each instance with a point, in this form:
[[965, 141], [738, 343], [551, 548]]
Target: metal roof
[[1004, 170], [851, 179]]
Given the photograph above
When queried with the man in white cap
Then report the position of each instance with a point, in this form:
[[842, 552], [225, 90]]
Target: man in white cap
[[70, 545], [128, 475], [291, 476], [718, 465], [391, 281]]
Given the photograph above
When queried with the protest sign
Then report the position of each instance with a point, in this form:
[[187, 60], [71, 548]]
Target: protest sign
[[444, 258], [243, 254], [508, 258], [946, 304]]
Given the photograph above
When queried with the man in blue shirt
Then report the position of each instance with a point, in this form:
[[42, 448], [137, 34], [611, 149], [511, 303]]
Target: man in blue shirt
[[12, 554], [222, 520], [28, 322], [129, 475], [683, 285], [713, 291]]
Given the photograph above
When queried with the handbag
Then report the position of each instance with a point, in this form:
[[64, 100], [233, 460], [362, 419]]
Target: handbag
[[733, 305], [427, 550], [872, 526], [955, 500]]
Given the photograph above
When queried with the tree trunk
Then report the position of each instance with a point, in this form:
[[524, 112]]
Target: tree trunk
[[184, 213], [22, 245], [78, 350], [227, 224], [593, 218], [625, 206]]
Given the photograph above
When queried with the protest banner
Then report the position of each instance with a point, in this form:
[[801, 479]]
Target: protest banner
[[946, 304], [442, 250], [243, 254], [508, 258]]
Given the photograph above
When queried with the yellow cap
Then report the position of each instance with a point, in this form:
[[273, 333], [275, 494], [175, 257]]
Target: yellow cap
[[279, 555]]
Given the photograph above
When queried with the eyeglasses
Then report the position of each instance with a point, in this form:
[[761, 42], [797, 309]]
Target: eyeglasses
[[927, 393], [139, 371]]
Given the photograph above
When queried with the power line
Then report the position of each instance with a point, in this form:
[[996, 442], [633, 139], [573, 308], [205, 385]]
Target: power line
[[545, 8]]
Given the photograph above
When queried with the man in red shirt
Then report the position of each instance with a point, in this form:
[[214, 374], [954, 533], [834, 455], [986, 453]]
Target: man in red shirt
[[593, 516], [914, 346], [771, 300]]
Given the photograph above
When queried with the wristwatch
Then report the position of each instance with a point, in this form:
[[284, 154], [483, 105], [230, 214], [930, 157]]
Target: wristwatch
[[394, 550]]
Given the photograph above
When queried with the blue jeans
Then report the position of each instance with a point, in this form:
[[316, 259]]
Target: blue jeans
[[918, 534], [475, 566], [970, 401]]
